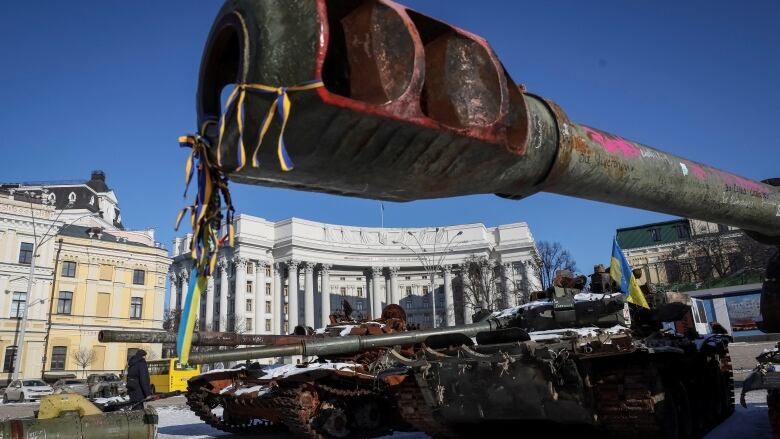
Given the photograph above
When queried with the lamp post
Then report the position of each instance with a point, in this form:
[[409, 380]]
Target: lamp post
[[431, 265], [36, 245]]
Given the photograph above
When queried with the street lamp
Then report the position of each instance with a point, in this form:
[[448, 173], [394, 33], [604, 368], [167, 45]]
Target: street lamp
[[36, 245], [431, 265]]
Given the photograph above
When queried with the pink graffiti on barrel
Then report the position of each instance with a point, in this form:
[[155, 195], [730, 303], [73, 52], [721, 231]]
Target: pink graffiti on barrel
[[744, 183], [613, 144], [698, 171]]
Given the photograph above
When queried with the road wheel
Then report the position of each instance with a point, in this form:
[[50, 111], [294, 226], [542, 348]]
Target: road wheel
[[5, 398], [21, 397]]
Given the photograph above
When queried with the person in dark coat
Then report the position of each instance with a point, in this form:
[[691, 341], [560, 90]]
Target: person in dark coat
[[138, 377]]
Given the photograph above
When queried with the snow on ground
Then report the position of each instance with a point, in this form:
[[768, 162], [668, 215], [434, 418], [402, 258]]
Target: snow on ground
[[751, 422]]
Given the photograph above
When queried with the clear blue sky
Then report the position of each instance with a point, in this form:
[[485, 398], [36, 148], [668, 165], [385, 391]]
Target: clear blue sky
[[110, 85]]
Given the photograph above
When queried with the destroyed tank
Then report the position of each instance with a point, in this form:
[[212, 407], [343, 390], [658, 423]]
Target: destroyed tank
[[252, 398], [567, 357]]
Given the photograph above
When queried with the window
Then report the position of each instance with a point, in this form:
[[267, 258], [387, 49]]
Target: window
[[25, 253], [286, 309], [425, 290], [425, 276], [58, 356], [408, 291], [268, 325], [249, 304], [267, 289], [18, 303], [68, 269], [106, 272], [103, 304], [136, 307], [139, 277], [286, 290], [286, 327], [342, 278], [360, 291], [408, 277], [249, 286], [9, 358], [682, 231], [409, 302], [359, 278], [248, 324], [655, 234], [343, 291], [268, 306], [250, 268], [359, 305], [64, 302], [268, 271]]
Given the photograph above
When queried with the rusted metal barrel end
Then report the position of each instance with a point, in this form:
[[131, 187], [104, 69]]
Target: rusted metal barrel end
[[402, 93]]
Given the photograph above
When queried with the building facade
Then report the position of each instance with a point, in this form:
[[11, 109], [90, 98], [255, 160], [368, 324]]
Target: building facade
[[21, 220], [298, 272], [90, 274], [103, 281], [658, 248]]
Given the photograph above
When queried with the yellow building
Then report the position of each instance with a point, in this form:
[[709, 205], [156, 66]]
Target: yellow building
[[103, 280]]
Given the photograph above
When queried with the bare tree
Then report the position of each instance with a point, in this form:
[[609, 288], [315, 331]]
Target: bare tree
[[710, 257], [552, 257], [83, 358], [483, 287]]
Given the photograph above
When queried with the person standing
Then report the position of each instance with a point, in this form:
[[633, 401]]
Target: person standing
[[138, 377]]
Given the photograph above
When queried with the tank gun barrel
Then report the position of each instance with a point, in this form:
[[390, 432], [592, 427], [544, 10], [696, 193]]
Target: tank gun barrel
[[198, 338], [346, 345], [391, 104]]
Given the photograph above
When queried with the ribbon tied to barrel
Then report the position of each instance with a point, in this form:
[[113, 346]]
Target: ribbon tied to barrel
[[205, 213]]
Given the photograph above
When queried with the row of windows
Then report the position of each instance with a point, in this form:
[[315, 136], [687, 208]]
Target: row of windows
[[65, 304], [69, 267], [59, 356]]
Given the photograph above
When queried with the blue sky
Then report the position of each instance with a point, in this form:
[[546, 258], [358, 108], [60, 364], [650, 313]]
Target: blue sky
[[110, 85]]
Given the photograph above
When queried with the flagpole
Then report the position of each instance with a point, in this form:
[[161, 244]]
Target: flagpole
[[382, 213]]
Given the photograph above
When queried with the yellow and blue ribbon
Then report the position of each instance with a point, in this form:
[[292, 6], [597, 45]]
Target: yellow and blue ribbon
[[206, 219], [280, 106]]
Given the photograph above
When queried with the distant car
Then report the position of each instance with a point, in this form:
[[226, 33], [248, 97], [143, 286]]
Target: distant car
[[105, 385], [71, 386], [26, 390]]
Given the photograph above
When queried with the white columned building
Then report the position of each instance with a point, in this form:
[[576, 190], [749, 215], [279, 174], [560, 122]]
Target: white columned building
[[302, 271]]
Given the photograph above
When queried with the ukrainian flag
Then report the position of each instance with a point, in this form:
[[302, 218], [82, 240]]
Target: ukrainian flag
[[621, 272]]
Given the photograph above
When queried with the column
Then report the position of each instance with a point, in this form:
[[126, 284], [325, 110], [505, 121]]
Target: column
[[223, 293], [184, 275], [388, 290], [449, 301], [506, 285], [396, 294], [325, 272], [174, 290], [292, 294], [277, 321], [239, 295], [376, 311], [210, 303], [468, 300], [259, 298], [308, 294]]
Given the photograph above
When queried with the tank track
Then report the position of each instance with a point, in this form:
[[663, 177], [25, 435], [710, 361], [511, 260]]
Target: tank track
[[418, 414], [201, 402], [298, 407]]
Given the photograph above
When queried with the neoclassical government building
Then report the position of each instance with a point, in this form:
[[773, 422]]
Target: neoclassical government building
[[326, 264]]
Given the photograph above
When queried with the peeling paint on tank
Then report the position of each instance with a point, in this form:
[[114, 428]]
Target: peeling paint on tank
[[743, 185]]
